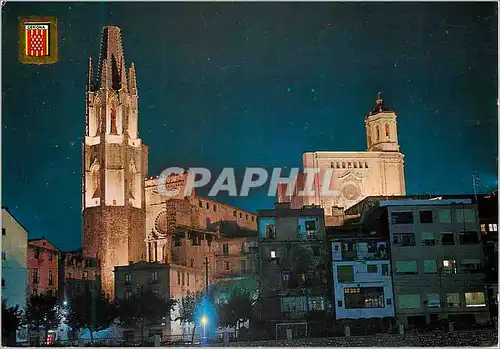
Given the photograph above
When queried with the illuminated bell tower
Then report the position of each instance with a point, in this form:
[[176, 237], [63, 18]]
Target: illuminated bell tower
[[381, 128], [114, 163]]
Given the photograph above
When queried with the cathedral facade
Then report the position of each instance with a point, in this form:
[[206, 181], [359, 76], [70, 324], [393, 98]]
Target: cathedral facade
[[378, 171]]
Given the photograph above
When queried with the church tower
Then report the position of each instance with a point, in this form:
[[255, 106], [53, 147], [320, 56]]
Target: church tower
[[381, 128], [114, 163]]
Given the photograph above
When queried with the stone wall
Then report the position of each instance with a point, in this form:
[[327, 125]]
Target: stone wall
[[429, 339]]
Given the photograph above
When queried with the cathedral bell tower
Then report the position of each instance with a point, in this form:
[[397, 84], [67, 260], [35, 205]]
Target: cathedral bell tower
[[114, 163], [381, 128]]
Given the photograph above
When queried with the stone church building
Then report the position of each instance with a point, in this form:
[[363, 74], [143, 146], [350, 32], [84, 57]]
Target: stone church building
[[125, 220], [355, 175]]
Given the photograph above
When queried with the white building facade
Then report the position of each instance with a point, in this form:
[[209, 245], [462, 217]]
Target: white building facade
[[355, 175], [362, 279], [14, 261]]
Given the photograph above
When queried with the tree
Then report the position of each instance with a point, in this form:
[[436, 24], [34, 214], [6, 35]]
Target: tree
[[42, 312], [11, 321], [187, 308], [236, 311], [91, 311], [144, 308]]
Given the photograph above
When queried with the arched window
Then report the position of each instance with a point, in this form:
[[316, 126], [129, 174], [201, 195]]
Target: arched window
[[131, 180], [113, 129], [95, 180], [387, 130], [97, 119], [377, 133]]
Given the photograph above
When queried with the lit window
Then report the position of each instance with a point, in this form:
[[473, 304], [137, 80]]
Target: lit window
[[492, 227], [483, 228], [449, 266], [474, 299], [273, 254]]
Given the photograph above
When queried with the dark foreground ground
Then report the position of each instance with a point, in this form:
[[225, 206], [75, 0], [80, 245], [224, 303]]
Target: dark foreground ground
[[483, 338]]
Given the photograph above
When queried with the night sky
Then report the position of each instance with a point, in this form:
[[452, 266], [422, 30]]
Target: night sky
[[253, 84]]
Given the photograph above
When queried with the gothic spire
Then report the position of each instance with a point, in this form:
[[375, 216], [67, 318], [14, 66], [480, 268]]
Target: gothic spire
[[112, 54], [104, 74], [123, 75], [132, 81], [90, 82]]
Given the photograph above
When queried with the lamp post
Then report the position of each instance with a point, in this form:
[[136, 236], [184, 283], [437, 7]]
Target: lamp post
[[204, 321]]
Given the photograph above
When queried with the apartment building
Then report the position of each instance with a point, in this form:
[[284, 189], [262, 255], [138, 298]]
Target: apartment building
[[77, 274], [293, 264], [43, 264], [14, 261], [488, 222], [435, 254], [361, 271]]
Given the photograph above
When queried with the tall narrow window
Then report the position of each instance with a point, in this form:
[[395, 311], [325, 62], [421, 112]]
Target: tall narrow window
[[51, 277], [377, 132], [113, 129], [131, 180], [387, 130], [94, 175], [97, 120]]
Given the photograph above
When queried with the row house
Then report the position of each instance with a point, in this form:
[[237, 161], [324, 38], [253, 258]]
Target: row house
[[166, 280], [293, 259], [361, 272], [78, 275], [43, 263]]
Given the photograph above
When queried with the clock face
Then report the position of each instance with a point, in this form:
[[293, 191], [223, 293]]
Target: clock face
[[351, 191]]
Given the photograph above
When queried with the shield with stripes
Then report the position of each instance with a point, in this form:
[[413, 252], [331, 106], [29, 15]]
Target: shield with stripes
[[37, 39]]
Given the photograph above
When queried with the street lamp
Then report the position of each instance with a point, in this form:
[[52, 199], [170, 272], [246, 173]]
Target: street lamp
[[204, 321]]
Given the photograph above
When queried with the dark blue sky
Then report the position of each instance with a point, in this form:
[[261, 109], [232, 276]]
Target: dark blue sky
[[254, 84]]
